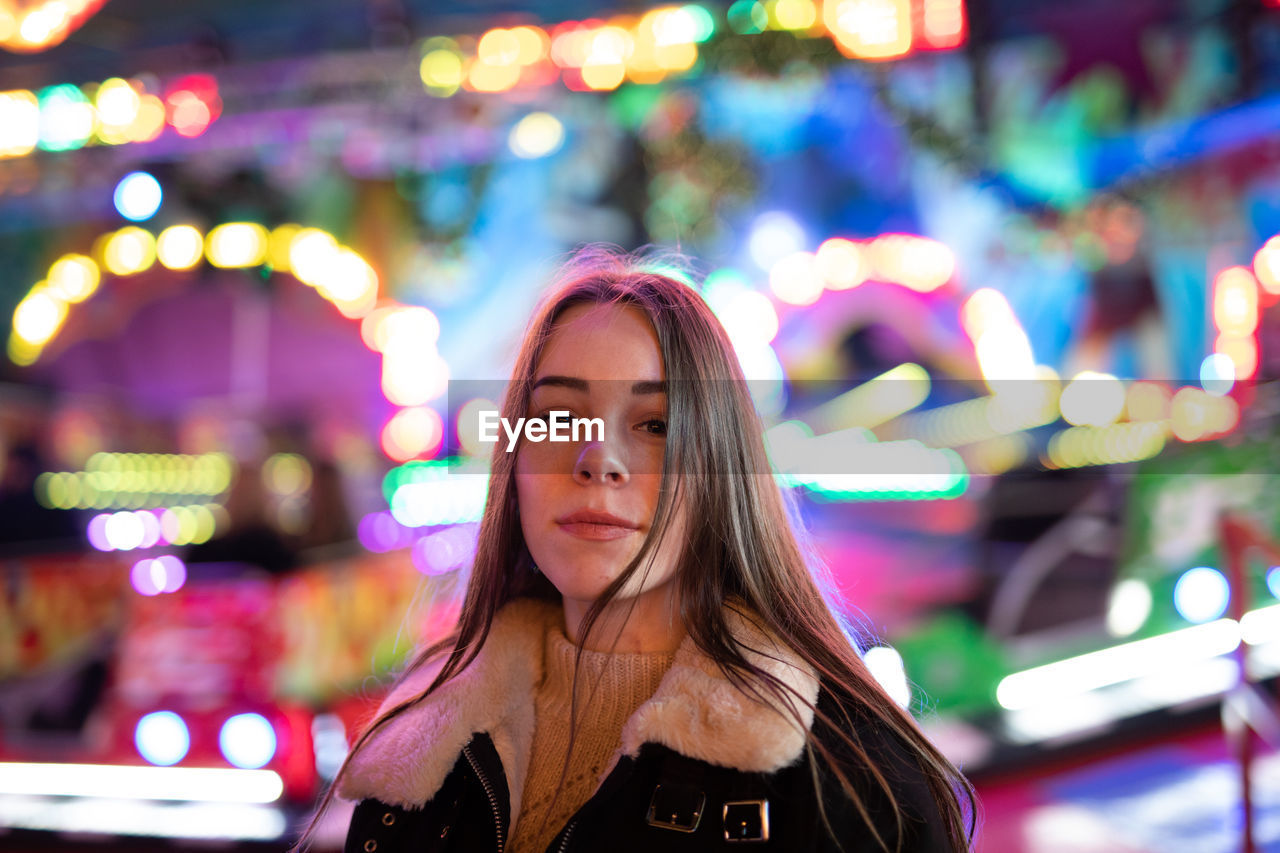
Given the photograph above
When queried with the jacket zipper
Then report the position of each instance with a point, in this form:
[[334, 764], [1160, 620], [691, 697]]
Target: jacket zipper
[[568, 833], [488, 789]]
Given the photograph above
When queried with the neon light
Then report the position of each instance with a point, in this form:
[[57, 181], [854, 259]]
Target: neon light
[[1044, 685], [203, 784]]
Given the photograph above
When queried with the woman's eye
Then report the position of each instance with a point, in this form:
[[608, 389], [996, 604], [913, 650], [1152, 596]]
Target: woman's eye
[[655, 426]]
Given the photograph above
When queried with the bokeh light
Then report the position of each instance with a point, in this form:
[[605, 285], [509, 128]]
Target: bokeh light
[[1092, 399], [887, 668], [180, 247], [774, 236], [842, 264], [129, 251], [247, 741], [19, 123], [156, 575], [536, 135], [468, 426], [1217, 373], [1201, 594], [412, 433], [445, 550], [67, 119], [441, 68], [73, 278], [1128, 607], [138, 196], [1266, 262], [162, 738], [236, 244], [795, 279]]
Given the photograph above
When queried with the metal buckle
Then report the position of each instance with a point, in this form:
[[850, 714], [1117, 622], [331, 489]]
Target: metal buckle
[[746, 820], [682, 803]]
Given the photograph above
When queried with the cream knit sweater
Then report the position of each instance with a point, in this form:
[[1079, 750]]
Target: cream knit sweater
[[610, 688]]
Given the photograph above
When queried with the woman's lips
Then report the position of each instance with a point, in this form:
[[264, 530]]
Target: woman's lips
[[600, 526], [590, 530]]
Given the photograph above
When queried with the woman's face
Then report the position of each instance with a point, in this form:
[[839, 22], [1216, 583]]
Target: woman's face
[[586, 506]]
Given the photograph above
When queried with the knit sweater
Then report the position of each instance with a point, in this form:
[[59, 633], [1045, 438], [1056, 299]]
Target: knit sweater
[[610, 688]]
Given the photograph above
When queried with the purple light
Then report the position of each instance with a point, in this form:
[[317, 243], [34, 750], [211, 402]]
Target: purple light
[[379, 532], [445, 551], [175, 572], [143, 578], [153, 576], [97, 532], [150, 528]]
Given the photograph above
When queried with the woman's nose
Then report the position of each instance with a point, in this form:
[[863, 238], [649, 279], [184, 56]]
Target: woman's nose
[[600, 462]]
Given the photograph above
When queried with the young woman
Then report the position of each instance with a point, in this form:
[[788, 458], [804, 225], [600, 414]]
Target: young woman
[[643, 660]]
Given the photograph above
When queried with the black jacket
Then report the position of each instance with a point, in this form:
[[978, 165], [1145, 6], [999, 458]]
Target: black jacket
[[700, 767]]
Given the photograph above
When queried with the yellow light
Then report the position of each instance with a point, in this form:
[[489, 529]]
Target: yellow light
[[984, 309], [469, 426], [205, 524], [1088, 445], [534, 44], [1235, 302], [842, 264], [411, 329], [483, 77], [441, 71], [875, 401], [795, 279], [311, 255], [349, 281], [408, 379], [73, 278], [869, 29], [180, 247], [1004, 353], [278, 245], [150, 120], [286, 474], [604, 78], [676, 57], [39, 316], [1147, 401], [925, 265], [129, 251], [794, 14], [19, 123], [22, 353], [117, 103], [1189, 414], [1092, 399], [609, 46], [1266, 264], [569, 48], [411, 433], [236, 244], [499, 47], [537, 135], [673, 27], [45, 23], [1242, 350]]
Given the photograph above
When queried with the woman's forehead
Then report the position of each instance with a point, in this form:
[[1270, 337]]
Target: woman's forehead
[[602, 342]]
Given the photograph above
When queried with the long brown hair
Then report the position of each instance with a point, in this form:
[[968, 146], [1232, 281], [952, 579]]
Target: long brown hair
[[739, 547]]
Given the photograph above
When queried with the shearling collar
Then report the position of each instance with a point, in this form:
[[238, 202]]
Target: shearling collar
[[695, 711]]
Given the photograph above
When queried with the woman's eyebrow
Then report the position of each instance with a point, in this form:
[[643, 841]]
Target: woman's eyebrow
[[561, 382], [649, 387]]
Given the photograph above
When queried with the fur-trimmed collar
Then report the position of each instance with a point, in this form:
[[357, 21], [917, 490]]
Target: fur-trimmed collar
[[695, 711]]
